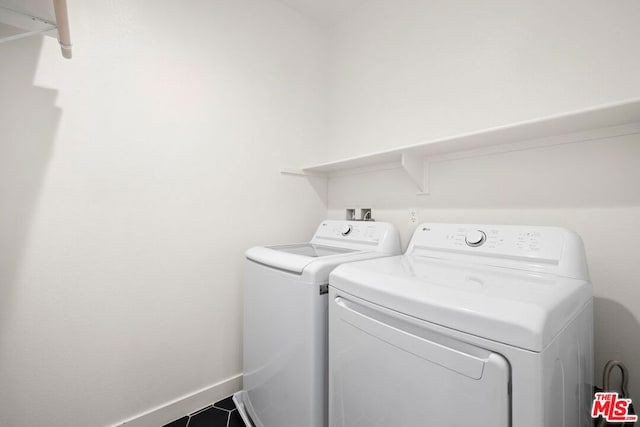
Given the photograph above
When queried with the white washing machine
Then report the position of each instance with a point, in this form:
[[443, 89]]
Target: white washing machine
[[476, 325], [285, 321]]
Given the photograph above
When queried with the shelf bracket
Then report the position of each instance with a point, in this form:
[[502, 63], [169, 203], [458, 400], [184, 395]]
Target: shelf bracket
[[418, 170]]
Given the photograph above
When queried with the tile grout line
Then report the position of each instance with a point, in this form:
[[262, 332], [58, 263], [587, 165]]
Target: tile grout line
[[212, 406], [199, 411]]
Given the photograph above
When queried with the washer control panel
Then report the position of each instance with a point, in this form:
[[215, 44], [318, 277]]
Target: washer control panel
[[363, 231], [359, 235]]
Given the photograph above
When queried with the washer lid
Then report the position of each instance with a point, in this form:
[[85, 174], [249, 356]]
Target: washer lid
[[522, 309], [334, 242], [295, 257], [310, 250]]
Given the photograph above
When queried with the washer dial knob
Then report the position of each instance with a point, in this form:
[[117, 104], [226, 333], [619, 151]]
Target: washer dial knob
[[346, 229], [475, 238]]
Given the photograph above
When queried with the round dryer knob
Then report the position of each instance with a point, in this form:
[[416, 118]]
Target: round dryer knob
[[346, 229], [475, 238]]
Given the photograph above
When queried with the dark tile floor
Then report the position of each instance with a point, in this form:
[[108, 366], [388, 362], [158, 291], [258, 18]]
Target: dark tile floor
[[220, 414]]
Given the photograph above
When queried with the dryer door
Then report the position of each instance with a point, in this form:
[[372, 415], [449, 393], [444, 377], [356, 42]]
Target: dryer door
[[387, 369]]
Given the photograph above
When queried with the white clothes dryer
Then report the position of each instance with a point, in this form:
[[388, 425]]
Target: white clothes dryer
[[476, 325], [285, 321]]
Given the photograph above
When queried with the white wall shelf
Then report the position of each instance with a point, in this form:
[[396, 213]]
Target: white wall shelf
[[600, 122], [25, 18]]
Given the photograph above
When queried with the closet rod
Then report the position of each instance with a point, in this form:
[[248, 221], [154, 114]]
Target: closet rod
[[62, 21]]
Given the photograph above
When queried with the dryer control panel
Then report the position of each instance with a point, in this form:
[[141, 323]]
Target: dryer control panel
[[535, 248], [495, 239]]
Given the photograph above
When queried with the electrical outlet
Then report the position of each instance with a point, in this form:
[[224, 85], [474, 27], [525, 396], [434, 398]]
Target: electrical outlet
[[413, 216]]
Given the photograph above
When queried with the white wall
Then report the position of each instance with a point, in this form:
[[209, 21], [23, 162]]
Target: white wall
[[132, 178], [404, 71], [410, 70]]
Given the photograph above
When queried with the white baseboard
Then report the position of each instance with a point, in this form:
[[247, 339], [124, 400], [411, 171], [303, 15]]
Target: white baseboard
[[178, 408]]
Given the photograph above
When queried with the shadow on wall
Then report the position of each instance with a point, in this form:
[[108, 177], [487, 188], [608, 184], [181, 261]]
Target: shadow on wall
[[587, 174], [28, 124], [617, 335], [318, 184]]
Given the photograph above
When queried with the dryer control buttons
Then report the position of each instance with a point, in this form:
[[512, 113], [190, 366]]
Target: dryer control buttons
[[475, 238], [345, 229]]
